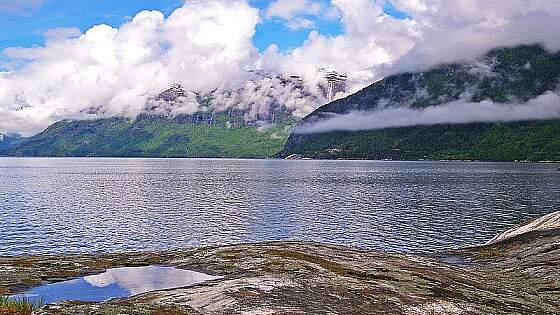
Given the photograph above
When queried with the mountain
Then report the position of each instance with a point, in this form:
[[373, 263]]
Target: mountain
[[263, 97], [255, 119], [506, 75], [9, 140], [156, 136], [251, 121], [181, 123]]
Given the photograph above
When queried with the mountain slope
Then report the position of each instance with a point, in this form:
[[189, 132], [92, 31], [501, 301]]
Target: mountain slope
[[149, 136], [235, 124], [502, 75], [7, 141], [531, 141], [252, 120], [512, 75]]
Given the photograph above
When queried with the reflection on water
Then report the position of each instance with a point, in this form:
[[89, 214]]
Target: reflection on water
[[52, 206], [117, 283]]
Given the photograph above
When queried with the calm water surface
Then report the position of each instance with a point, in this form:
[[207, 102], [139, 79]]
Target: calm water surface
[[115, 283], [50, 206]]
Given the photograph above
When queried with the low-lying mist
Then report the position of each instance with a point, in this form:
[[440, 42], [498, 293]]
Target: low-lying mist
[[544, 107]]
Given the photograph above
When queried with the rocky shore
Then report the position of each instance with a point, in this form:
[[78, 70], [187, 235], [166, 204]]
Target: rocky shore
[[517, 273]]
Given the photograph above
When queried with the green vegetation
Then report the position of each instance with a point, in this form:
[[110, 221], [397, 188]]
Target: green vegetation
[[521, 141], [503, 75], [515, 74], [19, 306], [155, 137]]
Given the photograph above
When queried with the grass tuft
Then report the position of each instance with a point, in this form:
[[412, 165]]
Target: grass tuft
[[18, 306]]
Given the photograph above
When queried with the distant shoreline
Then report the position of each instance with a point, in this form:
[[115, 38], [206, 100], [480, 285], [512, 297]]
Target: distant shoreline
[[269, 159]]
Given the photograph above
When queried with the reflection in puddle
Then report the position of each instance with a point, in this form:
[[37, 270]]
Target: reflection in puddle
[[117, 283]]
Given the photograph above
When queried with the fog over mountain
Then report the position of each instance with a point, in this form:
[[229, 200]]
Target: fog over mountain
[[546, 106], [207, 46]]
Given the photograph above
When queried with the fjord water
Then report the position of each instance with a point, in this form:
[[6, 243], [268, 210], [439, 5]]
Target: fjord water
[[59, 205]]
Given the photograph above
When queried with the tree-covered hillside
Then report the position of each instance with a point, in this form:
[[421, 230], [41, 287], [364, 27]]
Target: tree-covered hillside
[[9, 140], [507, 75], [521, 141], [502, 75], [155, 137]]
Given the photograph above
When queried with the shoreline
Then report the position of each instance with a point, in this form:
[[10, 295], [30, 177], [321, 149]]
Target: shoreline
[[515, 275], [271, 159]]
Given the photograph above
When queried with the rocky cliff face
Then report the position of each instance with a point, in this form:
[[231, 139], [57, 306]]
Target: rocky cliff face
[[174, 93], [334, 82], [265, 97]]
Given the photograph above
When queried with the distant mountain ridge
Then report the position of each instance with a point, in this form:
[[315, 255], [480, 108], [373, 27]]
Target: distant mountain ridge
[[261, 97], [250, 121], [154, 136], [255, 120], [9, 140], [515, 74]]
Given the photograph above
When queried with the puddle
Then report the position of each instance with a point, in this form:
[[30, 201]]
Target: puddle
[[116, 283]]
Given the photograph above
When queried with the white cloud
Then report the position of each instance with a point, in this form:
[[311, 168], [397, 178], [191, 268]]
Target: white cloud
[[375, 45], [260, 97], [138, 280], [207, 45], [203, 45], [295, 13], [546, 106], [371, 39], [62, 33], [463, 29], [300, 23], [287, 9]]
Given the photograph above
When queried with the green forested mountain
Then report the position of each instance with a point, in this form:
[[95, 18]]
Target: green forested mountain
[[155, 137], [502, 75], [531, 141], [512, 75], [250, 121]]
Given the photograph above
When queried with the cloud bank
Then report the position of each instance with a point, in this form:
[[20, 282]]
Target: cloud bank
[[375, 44], [203, 45], [546, 106], [206, 45]]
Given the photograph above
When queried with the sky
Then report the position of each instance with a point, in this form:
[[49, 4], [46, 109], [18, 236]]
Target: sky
[[61, 58], [25, 25]]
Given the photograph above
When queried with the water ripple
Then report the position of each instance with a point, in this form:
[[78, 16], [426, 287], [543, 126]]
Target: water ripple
[[53, 206]]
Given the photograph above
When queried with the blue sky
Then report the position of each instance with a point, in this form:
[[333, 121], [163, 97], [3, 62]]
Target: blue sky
[[26, 28]]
